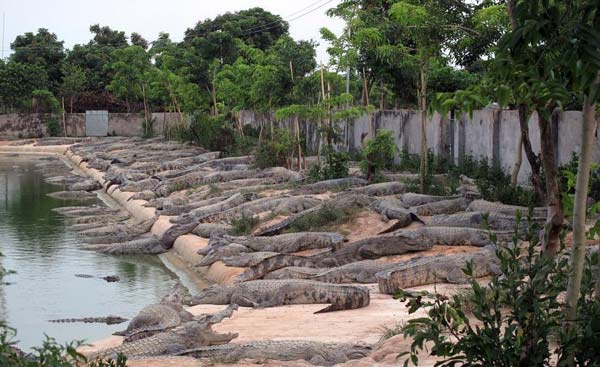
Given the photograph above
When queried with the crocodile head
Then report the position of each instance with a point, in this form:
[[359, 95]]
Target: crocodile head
[[114, 320], [215, 294], [219, 253], [177, 295]]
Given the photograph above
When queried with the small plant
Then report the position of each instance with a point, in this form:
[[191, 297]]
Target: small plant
[[335, 166], [275, 152], [322, 219], [516, 320], [53, 125], [244, 225], [378, 153]]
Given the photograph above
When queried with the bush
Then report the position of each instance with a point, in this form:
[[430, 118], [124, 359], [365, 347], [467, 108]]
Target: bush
[[378, 153], [53, 125], [334, 166], [322, 219], [518, 317], [244, 225], [274, 152]]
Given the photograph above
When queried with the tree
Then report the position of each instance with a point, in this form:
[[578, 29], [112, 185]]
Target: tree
[[18, 81], [131, 79], [256, 27], [74, 82], [138, 40], [430, 24], [105, 36], [43, 49]]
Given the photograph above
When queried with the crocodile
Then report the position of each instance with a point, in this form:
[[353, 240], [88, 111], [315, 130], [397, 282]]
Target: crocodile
[[411, 199], [496, 221], [108, 320], [197, 214], [294, 272], [272, 293], [285, 243], [108, 278], [490, 207], [247, 259], [72, 195], [273, 263], [337, 184], [191, 334], [167, 314], [276, 205], [142, 185], [169, 209], [221, 252], [85, 185], [392, 208], [448, 236], [104, 218], [381, 189], [344, 201], [148, 244], [63, 180], [369, 248], [208, 230], [314, 352], [75, 211], [436, 269], [441, 207], [119, 230]]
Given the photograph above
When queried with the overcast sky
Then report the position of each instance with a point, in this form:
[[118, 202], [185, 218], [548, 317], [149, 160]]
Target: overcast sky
[[70, 19]]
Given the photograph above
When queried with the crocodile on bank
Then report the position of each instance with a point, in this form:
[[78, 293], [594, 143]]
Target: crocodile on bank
[[72, 195], [221, 252], [148, 244], [316, 353], [411, 199], [392, 208], [191, 334], [381, 189], [108, 320], [272, 293], [448, 236], [490, 207], [343, 201], [441, 207], [285, 243], [337, 184], [357, 272], [438, 269], [496, 221], [273, 263], [166, 314], [207, 230], [75, 211]]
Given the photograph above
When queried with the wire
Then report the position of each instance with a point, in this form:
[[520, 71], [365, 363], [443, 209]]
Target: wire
[[254, 30]]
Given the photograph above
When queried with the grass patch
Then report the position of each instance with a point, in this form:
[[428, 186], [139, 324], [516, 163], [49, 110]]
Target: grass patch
[[389, 332], [323, 219], [244, 225]]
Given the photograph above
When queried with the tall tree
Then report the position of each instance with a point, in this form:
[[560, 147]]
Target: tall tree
[[42, 48], [18, 81], [138, 40], [73, 83]]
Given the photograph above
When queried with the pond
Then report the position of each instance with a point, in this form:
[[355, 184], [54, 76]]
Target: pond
[[43, 253]]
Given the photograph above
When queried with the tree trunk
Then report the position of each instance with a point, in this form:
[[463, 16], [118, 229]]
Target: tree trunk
[[382, 96], [365, 89], [579, 212], [423, 108], [555, 217], [518, 161], [213, 96], [64, 120], [71, 103], [297, 126], [271, 118], [532, 158]]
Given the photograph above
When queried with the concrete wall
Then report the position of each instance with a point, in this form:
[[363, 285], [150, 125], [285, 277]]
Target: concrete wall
[[490, 133], [14, 126]]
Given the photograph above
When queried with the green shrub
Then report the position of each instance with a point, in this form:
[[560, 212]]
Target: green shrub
[[274, 152], [378, 153], [322, 219], [515, 320], [53, 125], [244, 225], [334, 166]]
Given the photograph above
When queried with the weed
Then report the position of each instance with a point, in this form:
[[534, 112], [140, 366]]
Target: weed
[[244, 225], [322, 219]]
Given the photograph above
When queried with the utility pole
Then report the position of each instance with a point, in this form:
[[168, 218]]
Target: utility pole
[[3, 24]]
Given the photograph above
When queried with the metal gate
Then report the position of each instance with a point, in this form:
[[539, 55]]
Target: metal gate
[[96, 123]]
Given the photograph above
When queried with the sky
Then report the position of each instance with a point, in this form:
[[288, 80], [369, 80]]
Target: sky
[[71, 19]]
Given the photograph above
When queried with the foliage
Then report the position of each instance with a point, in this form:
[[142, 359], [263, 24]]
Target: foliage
[[44, 101], [378, 153], [334, 166], [18, 81], [244, 225], [42, 49], [517, 316], [53, 125], [130, 80], [274, 152], [568, 177], [322, 219]]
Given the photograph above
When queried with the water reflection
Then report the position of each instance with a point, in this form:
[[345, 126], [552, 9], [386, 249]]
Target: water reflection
[[43, 251]]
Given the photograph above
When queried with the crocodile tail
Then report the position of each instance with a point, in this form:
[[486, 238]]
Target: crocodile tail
[[355, 299]]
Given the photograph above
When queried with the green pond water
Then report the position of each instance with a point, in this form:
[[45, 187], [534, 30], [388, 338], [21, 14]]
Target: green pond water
[[42, 250]]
